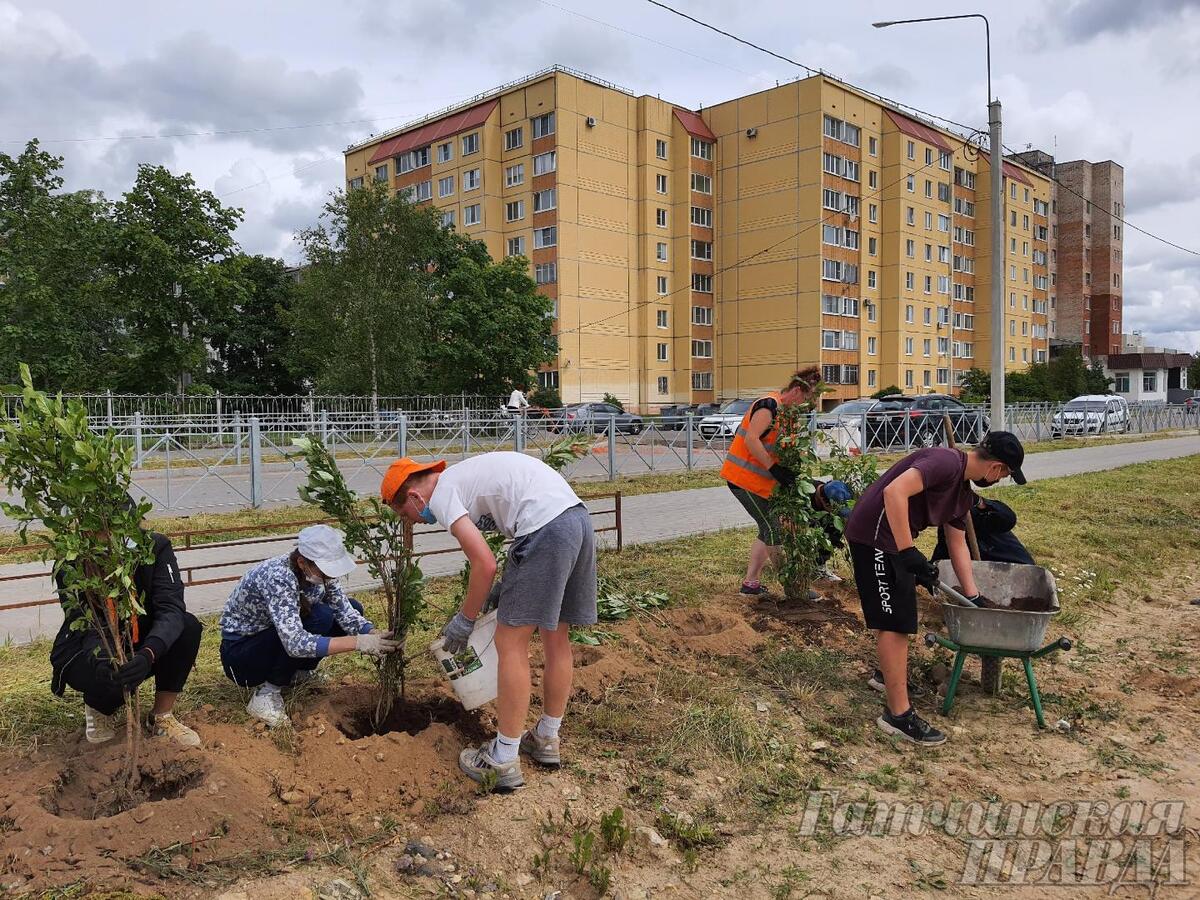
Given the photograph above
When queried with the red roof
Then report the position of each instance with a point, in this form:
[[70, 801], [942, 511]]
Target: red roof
[[693, 124], [434, 131], [1016, 173], [915, 129]]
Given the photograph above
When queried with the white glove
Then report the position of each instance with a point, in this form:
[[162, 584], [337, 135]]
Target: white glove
[[376, 643]]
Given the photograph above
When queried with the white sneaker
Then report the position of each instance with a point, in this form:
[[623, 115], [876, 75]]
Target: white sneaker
[[267, 705], [98, 727], [171, 728], [826, 575]]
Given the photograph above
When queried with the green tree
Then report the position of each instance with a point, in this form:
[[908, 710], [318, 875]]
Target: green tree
[[55, 312], [362, 308], [886, 392], [250, 336], [1193, 373], [168, 257], [976, 386]]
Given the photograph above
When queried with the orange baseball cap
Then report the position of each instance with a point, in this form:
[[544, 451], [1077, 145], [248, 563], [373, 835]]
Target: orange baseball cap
[[403, 469]]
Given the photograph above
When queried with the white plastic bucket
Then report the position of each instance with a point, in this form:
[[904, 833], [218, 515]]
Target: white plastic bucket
[[472, 673]]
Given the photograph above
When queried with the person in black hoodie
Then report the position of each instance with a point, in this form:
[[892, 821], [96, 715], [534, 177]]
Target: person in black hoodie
[[169, 640], [994, 523]]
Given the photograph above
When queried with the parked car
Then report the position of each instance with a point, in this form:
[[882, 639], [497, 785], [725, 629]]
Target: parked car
[[596, 416], [1091, 414], [674, 416], [725, 422], [897, 421]]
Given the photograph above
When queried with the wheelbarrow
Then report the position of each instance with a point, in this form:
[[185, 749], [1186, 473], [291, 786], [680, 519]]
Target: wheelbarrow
[[1027, 598]]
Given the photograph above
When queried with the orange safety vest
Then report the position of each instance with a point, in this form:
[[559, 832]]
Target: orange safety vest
[[741, 467]]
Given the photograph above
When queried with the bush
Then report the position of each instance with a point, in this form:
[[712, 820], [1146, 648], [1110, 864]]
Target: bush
[[885, 392], [548, 397], [613, 401]]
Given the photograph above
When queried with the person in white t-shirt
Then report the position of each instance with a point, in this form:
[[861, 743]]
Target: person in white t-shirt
[[549, 584], [517, 401]]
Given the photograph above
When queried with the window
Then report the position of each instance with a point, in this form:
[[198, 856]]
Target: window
[[514, 175], [910, 281], [663, 385], [355, 183], [833, 270], [543, 125], [661, 353], [908, 314], [660, 217], [943, 192], [929, 221], [1024, 329], [422, 190], [445, 152], [963, 178], [470, 179], [871, 346], [831, 340], [1121, 382], [660, 183], [544, 163], [514, 138], [842, 131], [702, 315], [908, 346], [872, 213], [910, 249], [943, 284], [943, 253], [516, 246], [702, 216], [702, 381], [470, 144], [1012, 327], [701, 184], [702, 283], [414, 159], [911, 151], [1024, 223], [927, 314], [944, 223], [446, 186], [870, 378], [381, 172], [910, 216], [702, 349], [831, 374], [1012, 190], [925, 378], [545, 273], [849, 340], [514, 211], [872, 246], [545, 200], [871, 282], [448, 218], [660, 149], [548, 379], [472, 215], [545, 237], [872, 178], [929, 253], [660, 252], [925, 348], [929, 156], [928, 290], [832, 199], [943, 315], [702, 249], [1150, 381], [1014, 218], [964, 207], [964, 292], [928, 188], [872, 146], [660, 317], [964, 264], [662, 285], [910, 183], [702, 149], [943, 346], [944, 161]]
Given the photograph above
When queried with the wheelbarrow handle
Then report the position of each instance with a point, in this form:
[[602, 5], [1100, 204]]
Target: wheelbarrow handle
[[955, 596]]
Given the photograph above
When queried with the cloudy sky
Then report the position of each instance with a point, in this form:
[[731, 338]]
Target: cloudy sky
[[257, 100]]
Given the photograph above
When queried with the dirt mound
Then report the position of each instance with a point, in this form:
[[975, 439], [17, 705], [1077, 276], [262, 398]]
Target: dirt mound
[[97, 792], [711, 631], [599, 668], [1173, 687]]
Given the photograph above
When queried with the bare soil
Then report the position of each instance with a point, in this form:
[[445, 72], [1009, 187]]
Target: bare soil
[[690, 716]]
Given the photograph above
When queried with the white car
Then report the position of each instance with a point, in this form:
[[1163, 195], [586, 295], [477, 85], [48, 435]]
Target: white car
[[725, 422], [1091, 414]]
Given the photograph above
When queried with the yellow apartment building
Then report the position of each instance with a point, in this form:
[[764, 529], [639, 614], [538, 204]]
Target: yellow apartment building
[[696, 256]]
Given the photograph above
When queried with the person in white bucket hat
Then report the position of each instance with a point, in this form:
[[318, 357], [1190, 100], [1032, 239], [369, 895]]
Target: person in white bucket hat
[[287, 614]]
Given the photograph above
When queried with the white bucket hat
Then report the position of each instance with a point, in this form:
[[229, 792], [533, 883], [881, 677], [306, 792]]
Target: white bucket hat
[[324, 546]]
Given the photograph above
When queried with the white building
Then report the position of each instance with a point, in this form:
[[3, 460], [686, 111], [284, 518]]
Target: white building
[[1148, 377]]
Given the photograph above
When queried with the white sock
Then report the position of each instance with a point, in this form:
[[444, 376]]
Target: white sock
[[504, 749], [547, 727]]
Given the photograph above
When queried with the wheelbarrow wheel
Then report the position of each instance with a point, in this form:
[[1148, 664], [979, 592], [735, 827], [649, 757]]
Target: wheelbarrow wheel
[[989, 674]]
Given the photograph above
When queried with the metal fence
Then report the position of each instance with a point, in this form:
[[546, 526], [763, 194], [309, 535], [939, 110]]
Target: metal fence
[[198, 463]]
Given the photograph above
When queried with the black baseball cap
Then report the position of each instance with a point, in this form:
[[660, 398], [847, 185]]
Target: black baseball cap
[[1003, 446]]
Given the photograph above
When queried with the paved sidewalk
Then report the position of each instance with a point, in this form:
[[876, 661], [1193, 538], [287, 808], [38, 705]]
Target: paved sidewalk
[[648, 518]]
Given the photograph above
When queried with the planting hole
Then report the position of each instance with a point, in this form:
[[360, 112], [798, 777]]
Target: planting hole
[[413, 718], [100, 792], [697, 623]]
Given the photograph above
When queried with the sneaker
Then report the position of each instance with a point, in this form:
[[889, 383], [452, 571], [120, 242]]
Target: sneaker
[[543, 751], [910, 727], [478, 765], [98, 727], [267, 706], [753, 588], [169, 727], [824, 574], [875, 682]]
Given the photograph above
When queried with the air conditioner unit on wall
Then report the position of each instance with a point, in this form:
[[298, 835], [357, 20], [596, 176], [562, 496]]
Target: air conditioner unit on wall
[[590, 121], [751, 132]]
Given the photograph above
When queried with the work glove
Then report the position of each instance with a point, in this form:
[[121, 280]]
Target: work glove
[[492, 601], [456, 633], [783, 475], [914, 562], [135, 671], [376, 643]]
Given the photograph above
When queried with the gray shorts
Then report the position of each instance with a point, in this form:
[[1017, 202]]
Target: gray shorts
[[764, 516], [550, 576]]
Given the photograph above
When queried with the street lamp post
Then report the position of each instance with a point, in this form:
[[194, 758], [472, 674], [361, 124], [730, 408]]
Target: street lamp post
[[996, 162]]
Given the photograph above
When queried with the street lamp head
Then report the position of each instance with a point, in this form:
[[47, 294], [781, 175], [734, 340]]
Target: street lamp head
[[881, 24]]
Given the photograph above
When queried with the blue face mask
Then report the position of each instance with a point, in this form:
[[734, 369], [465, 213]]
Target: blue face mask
[[427, 515]]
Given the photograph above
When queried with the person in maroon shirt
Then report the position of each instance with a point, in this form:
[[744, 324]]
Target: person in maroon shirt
[[927, 488]]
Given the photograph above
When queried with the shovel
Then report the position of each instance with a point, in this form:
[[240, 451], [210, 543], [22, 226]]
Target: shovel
[[955, 596]]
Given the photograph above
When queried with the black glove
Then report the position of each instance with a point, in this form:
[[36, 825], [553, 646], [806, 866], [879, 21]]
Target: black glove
[[783, 475], [134, 672], [914, 562]]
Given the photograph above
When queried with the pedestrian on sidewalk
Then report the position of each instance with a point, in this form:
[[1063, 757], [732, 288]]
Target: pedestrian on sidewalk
[[517, 401], [549, 584], [929, 487], [166, 642], [753, 471], [287, 614]]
